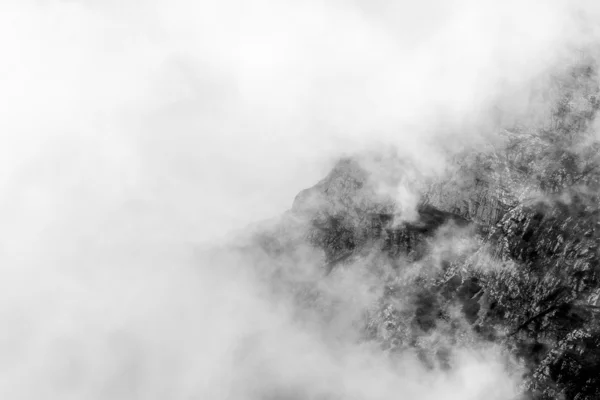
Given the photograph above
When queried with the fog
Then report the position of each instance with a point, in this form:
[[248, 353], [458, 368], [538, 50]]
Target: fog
[[133, 130]]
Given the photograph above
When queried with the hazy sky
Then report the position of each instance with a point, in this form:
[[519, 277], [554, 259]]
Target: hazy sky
[[220, 112]]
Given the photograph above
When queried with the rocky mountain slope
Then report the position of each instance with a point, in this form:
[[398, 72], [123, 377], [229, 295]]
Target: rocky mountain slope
[[505, 250]]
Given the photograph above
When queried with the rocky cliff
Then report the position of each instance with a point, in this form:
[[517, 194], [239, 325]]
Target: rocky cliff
[[504, 250]]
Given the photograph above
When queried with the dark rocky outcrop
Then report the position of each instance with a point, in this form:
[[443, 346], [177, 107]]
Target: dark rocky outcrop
[[504, 250], [541, 299]]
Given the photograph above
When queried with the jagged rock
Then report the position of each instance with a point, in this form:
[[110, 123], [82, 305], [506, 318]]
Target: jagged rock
[[550, 294], [347, 213], [506, 250], [541, 301]]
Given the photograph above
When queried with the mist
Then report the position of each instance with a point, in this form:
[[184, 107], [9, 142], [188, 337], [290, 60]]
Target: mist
[[134, 131]]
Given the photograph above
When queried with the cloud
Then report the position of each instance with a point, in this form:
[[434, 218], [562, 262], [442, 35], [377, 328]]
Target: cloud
[[131, 129]]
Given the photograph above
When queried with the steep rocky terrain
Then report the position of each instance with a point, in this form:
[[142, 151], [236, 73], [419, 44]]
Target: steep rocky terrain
[[504, 250]]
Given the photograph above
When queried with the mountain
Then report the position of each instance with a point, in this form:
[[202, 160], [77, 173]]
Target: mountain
[[503, 250]]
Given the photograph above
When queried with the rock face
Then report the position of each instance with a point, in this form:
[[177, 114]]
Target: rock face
[[550, 299], [541, 301], [347, 214], [506, 250], [476, 200]]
